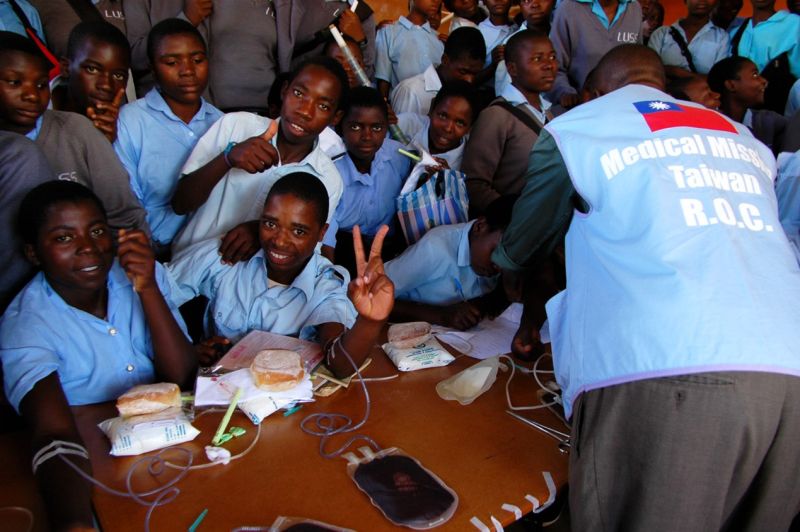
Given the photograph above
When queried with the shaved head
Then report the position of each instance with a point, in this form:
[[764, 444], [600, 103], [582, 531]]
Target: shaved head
[[628, 64]]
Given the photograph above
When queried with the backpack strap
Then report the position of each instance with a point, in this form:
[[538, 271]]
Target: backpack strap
[[681, 42], [738, 37], [86, 10], [519, 114]]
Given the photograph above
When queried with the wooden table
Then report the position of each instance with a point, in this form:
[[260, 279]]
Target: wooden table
[[487, 457]]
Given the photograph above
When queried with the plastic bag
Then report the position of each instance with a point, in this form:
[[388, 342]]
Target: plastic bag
[[429, 354], [141, 434], [467, 385], [405, 492]]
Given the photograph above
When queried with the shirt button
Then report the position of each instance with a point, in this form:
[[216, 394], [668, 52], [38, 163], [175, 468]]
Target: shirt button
[[129, 368], [112, 331]]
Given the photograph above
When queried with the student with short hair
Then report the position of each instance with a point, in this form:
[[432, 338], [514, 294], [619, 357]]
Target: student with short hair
[[286, 287], [443, 132], [742, 91], [60, 18], [583, 31], [445, 277], [692, 44], [158, 132], [373, 172], [495, 30], [76, 150], [92, 323], [496, 154], [695, 89], [333, 50], [407, 47], [94, 74], [535, 15], [229, 173], [462, 60]]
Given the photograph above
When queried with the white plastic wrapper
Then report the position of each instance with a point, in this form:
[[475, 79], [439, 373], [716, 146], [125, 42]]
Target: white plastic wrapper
[[465, 386], [142, 434], [429, 354]]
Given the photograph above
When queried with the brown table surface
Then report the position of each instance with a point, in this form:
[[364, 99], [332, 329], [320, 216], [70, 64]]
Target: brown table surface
[[487, 457]]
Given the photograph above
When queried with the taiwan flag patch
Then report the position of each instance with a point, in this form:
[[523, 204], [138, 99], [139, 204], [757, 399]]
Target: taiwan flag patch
[[663, 115]]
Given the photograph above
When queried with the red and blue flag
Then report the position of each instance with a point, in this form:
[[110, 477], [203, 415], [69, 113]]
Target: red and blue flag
[[663, 115]]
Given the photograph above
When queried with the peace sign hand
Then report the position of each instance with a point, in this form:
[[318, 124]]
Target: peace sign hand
[[372, 292]]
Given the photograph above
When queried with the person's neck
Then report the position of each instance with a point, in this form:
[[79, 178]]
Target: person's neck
[[733, 109], [609, 8], [63, 101], [760, 15], [415, 17], [16, 129], [91, 302], [694, 22], [362, 165], [499, 20], [532, 97], [290, 152], [185, 111]]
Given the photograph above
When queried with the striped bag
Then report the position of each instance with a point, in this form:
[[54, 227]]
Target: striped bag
[[442, 200]]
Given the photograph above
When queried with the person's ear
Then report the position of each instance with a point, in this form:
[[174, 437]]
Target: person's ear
[[337, 117], [511, 67], [30, 254], [323, 231], [445, 60], [730, 85], [64, 63], [480, 226]]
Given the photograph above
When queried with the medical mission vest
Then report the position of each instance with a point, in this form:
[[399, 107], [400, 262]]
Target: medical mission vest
[[680, 264]]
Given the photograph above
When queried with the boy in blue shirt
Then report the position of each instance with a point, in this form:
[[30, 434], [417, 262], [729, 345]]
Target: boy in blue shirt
[[158, 132], [448, 277], [94, 75], [287, 288], [373, 172], [407, 47]]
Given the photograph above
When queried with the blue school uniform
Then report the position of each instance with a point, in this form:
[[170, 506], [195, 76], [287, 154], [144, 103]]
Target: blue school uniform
[[10, 22], [709, 46], [404, 49], [771, 38], [437, 271], [242, 298], [787, 190], [96, 359], [153, 144], [368, 200], [494, 36]]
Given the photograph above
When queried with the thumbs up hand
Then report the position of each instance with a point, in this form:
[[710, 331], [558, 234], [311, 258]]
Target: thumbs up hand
[[255, 154]]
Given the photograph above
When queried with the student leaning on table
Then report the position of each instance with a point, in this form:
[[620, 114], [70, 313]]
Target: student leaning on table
[[676, 340], [287, 287], [89, 326]]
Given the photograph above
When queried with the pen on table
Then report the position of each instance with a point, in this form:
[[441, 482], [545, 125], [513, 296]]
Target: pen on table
[[199, 520]]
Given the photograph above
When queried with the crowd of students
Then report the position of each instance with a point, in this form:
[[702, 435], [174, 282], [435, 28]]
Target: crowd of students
[[253, 172]]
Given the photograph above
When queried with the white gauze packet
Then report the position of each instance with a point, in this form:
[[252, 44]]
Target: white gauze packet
[[141, 434], [428, 354]]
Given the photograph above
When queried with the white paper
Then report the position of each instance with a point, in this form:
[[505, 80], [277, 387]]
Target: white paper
[[489, 337], [219, 390]]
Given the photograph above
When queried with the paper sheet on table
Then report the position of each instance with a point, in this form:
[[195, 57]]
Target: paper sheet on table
[[220, 389], [488, 338]]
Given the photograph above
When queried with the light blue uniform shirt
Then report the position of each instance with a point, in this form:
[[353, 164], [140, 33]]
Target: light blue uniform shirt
[[241, 299], [10, 22], [710, 45], [368, 200], [494, 36], [778, 34], [153, 144], [787, 190], [97, 360], [33, 134], [404, 49], [793, 101], [436, 270], [501, 77], [515, 97]]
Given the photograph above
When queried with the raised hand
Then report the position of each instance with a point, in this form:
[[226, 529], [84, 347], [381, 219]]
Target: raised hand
[[137, 258], [240, 243], [255, 154], [350, 25], [104, 115], [371, 292], [197, 10]]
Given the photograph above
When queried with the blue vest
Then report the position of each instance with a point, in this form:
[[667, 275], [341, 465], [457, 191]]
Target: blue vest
[[680, 265]]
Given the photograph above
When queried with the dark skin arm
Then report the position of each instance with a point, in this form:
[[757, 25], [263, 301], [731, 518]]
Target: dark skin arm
[[535, 290], [174, 359], [67, 496], [254, 155], [383, 88], [463, 315], [372, 294]]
